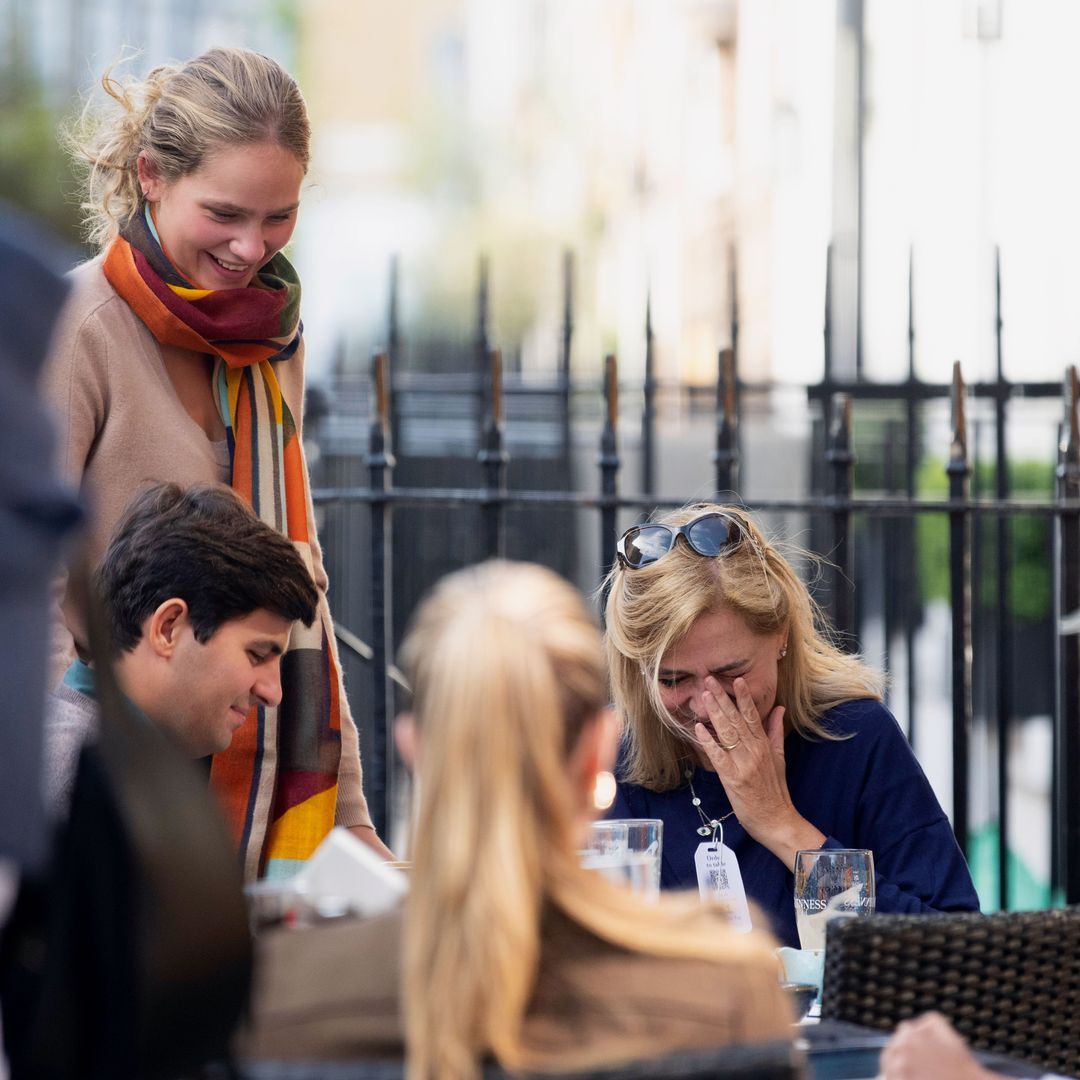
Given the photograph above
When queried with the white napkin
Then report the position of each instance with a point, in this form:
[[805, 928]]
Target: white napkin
[[343, 868]]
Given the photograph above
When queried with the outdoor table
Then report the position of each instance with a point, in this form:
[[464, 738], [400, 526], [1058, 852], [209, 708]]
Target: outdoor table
[[833, 1050], [840, 1051]]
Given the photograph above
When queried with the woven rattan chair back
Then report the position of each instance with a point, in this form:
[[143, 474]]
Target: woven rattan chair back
[[1009, 982]]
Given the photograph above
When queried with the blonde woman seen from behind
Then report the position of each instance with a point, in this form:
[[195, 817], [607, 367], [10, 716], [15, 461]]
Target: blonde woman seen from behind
[[508, 947]]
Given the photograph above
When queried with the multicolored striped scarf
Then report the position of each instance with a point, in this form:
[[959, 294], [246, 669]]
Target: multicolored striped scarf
[[277, 781]]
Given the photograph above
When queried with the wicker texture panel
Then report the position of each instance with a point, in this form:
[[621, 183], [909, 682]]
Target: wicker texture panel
[[1009, 982]]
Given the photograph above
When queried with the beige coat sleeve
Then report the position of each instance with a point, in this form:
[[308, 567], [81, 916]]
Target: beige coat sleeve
[[74, 385]]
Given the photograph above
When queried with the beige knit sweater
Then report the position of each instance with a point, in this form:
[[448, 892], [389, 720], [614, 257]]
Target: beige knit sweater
[[120, 424]]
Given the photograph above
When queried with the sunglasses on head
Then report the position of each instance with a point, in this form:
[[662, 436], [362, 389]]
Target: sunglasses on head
[[707, 535]]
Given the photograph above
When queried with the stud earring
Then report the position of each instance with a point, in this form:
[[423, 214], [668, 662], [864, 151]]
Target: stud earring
[[783, 652]]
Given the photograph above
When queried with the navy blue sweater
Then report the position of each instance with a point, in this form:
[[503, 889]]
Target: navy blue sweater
[[867, 791]]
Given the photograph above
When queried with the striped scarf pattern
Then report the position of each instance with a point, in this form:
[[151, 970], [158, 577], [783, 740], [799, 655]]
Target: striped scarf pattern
[[277, 781]]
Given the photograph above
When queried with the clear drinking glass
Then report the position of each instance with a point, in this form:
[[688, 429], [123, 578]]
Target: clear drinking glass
[[644, 846], [605, 840], [607, 852], [829, 884]]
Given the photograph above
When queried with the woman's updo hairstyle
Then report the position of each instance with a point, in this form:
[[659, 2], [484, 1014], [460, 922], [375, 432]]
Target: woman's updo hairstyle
[[178, 115]]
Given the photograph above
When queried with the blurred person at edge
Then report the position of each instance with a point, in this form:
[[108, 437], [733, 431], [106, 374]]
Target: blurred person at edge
[[36, 514], [201, 598], [180, 358], [731, 694], [928, 1048], [506, 946]]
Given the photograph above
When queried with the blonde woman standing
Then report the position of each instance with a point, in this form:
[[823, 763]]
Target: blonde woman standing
[[180, 358], [743, 721], [507, 948]]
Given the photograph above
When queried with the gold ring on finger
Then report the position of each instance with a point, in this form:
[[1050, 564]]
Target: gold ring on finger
[[730, 746]]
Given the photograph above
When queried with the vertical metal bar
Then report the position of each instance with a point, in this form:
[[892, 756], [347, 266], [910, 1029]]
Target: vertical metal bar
[[889, 575], [1003, 659], [1067, 727], [909, 524], [609, 465], [566, 344], [959, 472], [380, 463], [494, 458], [739, 476], [393, 339], [393, 316], [481, 348], [860, 175], [733, 276], [726, 455], [482, 312], [841, 460], [827, 329], [648, 411], [482, 385]]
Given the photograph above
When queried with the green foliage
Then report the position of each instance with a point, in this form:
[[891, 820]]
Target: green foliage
[[1030, 571], [35, 173]]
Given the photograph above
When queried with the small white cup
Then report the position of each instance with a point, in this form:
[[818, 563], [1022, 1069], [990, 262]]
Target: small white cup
[[803, 965]]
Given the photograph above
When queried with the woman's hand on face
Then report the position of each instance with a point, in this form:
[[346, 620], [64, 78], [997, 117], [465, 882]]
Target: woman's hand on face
[[748, 756]]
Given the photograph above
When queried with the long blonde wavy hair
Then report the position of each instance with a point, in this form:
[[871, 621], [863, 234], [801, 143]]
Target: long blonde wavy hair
[[651, 609], [179, 114], [507, 669]]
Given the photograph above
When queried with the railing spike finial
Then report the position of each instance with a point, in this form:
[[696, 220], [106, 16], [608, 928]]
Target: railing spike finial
[[608, 461], [393, 313], [1071, 428], [726, 455], [381, 365], [998, 322], [733, 264], [496, 372], [827, 326], [648, 404], [483, 306], [568, 309], [958, 451], [911, 311], [611, 389]]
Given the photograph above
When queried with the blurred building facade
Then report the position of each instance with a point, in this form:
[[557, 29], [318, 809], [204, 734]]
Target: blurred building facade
[[67, 43], [655, 137], [658, 140]]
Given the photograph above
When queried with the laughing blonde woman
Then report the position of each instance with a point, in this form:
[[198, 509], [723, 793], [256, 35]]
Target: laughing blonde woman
[[744, 722]]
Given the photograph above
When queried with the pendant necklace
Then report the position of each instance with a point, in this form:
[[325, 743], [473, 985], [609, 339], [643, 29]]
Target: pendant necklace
[[708, 825]]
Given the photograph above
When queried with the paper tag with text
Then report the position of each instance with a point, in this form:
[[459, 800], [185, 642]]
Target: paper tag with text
[[719, 878]]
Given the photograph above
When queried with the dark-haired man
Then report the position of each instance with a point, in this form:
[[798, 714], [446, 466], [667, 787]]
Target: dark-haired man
[[200, 598]]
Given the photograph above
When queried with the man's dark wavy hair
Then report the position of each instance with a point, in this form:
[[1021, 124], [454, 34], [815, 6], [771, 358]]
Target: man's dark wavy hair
[[204, 545]]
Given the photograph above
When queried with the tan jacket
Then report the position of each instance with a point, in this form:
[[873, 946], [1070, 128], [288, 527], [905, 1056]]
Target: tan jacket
[[121, 424], [332, 993]]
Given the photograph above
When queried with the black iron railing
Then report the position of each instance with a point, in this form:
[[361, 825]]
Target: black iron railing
[[835, 504]]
